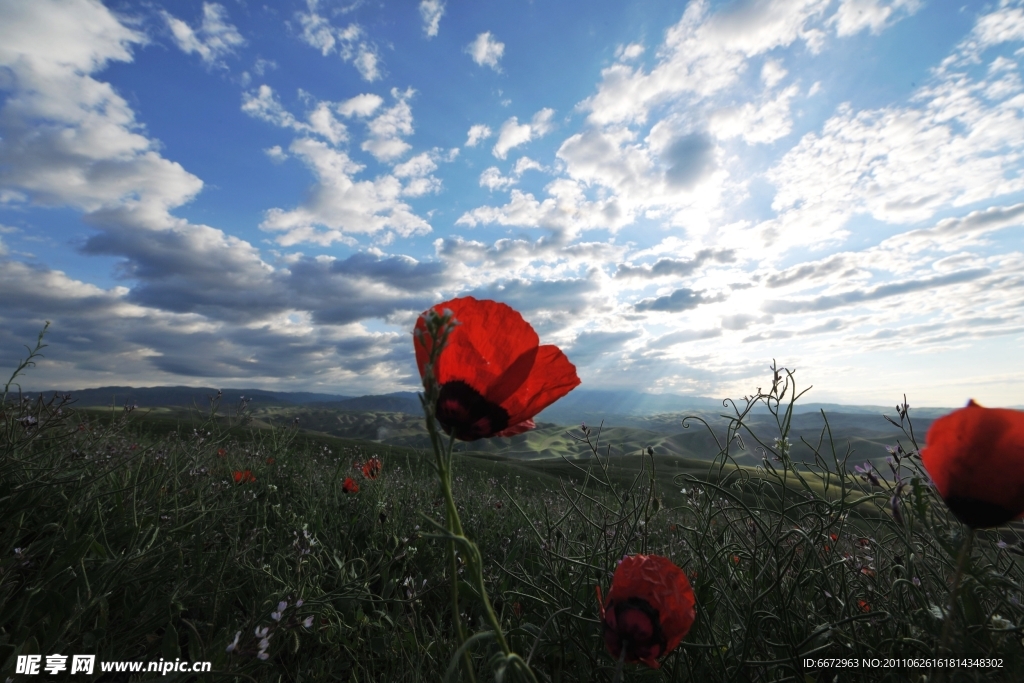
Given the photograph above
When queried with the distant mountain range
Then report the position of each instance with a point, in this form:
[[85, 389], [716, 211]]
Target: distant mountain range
[[581, 405]]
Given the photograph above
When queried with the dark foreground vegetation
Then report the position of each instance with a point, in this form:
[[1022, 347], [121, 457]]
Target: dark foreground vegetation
[[139, 540]]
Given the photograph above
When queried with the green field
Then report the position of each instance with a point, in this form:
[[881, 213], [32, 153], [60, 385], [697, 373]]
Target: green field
[[128, 537]]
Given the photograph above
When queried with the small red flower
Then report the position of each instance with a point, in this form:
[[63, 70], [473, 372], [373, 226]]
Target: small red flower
[[221, 452], [975, 456], [864, 606], [735, 559], [371, 469], [834, 537], [650, 608], [270, 461], [350, 486], [244, 477], [494, 376]]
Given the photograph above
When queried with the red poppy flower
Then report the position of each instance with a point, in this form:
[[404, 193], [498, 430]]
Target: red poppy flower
[[221, 452], [350, 486], [650, 608], [975, 456], [494, 375], [371, 469], [244, 477], [864, 606]]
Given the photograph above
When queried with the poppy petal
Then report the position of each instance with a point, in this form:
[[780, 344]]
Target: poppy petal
[[975, 457], [550, 377], [493, 375], [489, 338], [650, 608]]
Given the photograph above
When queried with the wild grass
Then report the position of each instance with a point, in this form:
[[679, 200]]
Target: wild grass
[[131, 539]]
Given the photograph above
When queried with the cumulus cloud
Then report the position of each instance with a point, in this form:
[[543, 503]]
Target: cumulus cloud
[[349, 42], [361, 105], [486, 50], [431, 11], [387, 128], [566, 211], [339, 205], [668, 267], [264, 105], [702, 55], [477, 133], [956, 146], [492, 179], [591, 345], [90, 154], [214, 39], [854, 16], [682, 299], [276, 154], [629, 52], [761, 122], [513, 134], [830, 301], [682, 337]]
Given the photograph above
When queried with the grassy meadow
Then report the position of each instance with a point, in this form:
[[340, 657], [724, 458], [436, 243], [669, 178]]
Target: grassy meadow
[[129, 535]]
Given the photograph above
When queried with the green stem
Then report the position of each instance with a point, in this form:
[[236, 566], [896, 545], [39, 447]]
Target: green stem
[[947, 627], [443, 461]]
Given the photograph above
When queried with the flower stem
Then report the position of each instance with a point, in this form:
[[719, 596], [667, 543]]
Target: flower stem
[[947, 627], [438, 329], [617, 678]]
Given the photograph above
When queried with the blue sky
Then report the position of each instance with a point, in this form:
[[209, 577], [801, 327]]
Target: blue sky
[[268, 194]]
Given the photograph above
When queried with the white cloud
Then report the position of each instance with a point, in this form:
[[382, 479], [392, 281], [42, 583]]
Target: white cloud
[[512, 133], [431, 11], [214, 39], [339, 205], [703, 54], [1001, 26], [629, 52], [418, 166], [772, 72], [477, 133], [486, 51], [492, 179], [958, 144], [524, 164], [276, 154], [360, 105], [90, 154], [566, 212], [265, 106], [762, 122], [854, 16], [386, 130], [349, 42]]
